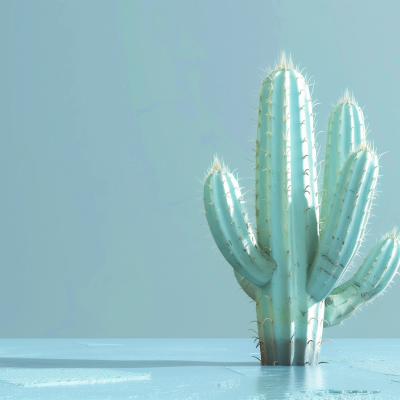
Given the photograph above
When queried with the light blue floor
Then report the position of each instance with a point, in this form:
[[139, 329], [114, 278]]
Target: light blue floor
[[192, 369]]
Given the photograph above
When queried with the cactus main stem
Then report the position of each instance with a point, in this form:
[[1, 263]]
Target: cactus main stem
[[289, 332]]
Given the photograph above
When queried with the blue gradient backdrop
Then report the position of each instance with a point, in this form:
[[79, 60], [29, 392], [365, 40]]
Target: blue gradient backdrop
[[110, 114]]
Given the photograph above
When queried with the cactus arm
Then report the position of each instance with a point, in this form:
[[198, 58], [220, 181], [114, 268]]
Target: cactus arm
[[370, 281], [346, 131], [230, 228], [346, 222], [248, 287]]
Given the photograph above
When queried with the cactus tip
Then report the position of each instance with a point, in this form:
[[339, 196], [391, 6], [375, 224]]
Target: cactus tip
[[392, 234], [368, 146], [217, 165], [284, 62], [347, 98]]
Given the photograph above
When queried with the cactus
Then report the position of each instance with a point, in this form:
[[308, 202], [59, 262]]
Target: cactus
[[305, 240]]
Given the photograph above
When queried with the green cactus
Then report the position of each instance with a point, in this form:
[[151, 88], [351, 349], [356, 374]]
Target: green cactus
[[304, 240]]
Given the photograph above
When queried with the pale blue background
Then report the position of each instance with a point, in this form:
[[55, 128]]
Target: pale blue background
[[111, 111]]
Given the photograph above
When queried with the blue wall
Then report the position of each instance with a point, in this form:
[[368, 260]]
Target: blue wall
[[110, 114]]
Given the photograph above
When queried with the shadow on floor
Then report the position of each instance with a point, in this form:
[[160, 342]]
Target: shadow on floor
[[13, 362]]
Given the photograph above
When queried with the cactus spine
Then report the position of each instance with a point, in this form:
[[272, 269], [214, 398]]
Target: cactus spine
[[304, 240]]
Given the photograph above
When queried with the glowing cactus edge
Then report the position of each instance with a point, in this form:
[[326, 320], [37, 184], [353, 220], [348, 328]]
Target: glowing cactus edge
[[304, 241]]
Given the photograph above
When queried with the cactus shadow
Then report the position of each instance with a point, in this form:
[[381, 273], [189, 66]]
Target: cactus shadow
[[13, 362]]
